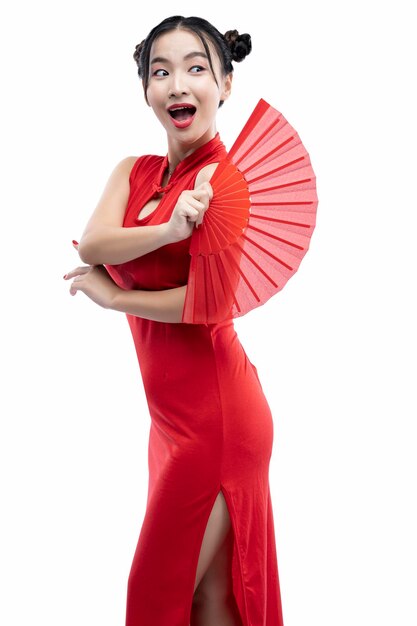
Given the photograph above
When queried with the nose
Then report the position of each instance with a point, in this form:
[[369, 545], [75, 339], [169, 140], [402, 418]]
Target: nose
[[178, 84]]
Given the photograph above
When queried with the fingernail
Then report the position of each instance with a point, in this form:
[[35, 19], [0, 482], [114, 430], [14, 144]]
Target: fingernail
[[75, 242], [65, 275]]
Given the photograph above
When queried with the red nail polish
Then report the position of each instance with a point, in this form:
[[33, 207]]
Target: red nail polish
[[65, 276], [75, 242]]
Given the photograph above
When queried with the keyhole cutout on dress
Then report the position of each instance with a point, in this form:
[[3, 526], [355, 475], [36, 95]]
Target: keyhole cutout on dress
[[149, 207]]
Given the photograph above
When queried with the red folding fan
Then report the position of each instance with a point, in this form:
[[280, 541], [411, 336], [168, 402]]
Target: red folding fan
[[258, 225]]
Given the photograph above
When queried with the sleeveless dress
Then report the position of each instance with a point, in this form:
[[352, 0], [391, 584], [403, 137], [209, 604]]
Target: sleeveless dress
[[211, 429]]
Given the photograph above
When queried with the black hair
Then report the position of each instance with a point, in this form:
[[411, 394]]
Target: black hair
[[230, 47]]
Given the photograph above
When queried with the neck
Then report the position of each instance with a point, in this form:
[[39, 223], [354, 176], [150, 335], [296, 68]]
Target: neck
[[178, 151]]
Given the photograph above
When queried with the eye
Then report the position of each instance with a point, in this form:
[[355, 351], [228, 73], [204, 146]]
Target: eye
[[155, 73], [199, 67]]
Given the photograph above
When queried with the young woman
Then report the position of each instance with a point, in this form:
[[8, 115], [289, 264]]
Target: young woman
[[206, 553]]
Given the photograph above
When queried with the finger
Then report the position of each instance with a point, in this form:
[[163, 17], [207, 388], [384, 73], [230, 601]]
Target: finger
[[191, 214], [196, 204], [78, 270], [205, 188], [202, 208], [82, 269], [206, 185], [190, 206], [73, 289], [200, 220], [77, 285], [204, 195]]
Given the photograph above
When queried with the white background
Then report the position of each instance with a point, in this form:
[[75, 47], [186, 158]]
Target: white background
[[335, 350]]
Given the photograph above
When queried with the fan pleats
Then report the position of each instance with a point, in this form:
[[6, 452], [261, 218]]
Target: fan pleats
[[258, 225]]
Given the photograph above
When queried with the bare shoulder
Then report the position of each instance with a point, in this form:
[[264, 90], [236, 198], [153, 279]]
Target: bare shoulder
[[127, 164], [119, 177], [205, 174], [111, 207], [123, 168]]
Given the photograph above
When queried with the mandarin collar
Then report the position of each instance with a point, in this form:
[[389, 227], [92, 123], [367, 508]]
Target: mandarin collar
[[211, 149]]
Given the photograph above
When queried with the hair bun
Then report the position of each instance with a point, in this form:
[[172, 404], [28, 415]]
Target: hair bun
[[138, 51], [240, 45]]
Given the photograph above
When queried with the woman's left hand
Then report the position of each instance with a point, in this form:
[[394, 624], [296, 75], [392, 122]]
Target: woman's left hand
[[95, 282]]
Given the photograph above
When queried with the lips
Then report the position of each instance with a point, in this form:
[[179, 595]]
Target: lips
[[182, 114]]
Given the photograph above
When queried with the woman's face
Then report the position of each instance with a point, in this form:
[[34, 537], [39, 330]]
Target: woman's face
[[179, 73]]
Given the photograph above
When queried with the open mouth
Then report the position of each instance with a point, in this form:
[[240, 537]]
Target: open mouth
[[182, 113]]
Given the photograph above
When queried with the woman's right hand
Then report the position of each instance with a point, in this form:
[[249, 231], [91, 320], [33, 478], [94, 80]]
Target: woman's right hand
[[189, 210]]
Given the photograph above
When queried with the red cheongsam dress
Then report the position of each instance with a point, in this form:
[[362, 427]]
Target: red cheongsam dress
[[211, 430]]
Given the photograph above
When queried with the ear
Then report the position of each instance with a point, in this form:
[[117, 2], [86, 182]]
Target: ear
[[144, 93], [227, 86]]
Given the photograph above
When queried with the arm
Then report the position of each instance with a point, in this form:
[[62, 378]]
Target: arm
[[104, 239], [115, 244], [161, 306]]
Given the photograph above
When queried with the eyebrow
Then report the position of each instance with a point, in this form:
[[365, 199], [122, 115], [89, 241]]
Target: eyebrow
[[187, 56]]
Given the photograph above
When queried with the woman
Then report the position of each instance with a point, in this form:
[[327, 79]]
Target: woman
[[206, 553]]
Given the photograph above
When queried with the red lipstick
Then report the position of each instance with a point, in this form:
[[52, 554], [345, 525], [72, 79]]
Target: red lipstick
[[183, 114]]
